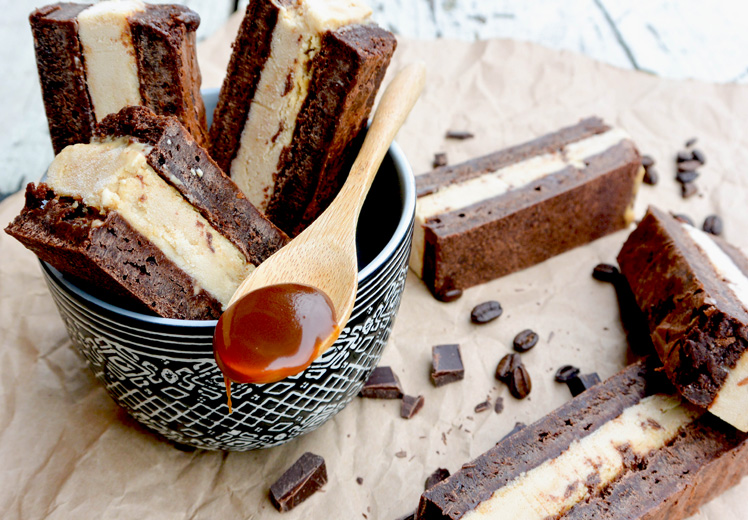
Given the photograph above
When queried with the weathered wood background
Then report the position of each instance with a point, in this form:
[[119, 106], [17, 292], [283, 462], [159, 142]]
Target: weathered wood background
[[675, 38]]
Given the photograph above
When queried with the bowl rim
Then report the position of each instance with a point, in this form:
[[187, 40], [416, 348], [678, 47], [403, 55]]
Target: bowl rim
[[408, 194]]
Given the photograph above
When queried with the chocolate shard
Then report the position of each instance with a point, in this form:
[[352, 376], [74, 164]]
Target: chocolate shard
[[306, 476], [383, 383], [582, 382], [410, 406], [557, 467], [446, 364]]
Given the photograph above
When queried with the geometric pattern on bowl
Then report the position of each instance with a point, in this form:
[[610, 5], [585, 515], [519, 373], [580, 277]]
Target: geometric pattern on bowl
[[167, 378]]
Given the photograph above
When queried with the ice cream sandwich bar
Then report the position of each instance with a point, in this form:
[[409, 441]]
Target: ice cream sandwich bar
[[693, 290], [299, 87], [95, 59], [629, 448], [514, 208], [144, 215]]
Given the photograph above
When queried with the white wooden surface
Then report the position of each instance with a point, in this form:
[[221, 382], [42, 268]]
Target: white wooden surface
[[675, 38]]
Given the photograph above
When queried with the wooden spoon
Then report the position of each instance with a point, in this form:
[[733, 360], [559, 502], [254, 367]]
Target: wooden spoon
[[323, 256]]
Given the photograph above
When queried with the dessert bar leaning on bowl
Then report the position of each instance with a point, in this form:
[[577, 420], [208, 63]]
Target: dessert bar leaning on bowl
[[503, 212], [95, 59], [299, 87], [693, 290], [142, 213], [627, 448]]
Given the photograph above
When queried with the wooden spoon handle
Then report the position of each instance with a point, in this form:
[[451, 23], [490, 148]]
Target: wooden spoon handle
[[395, 105]]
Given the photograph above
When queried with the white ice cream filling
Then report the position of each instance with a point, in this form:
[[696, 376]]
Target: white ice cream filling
[[109, 55]]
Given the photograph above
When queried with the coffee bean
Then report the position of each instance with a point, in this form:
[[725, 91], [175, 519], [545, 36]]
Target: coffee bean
[[682, 217], [684, 156], [713, 224], [448, 295], [459, 134], [605, 273], [651, 176], [687, 176], [565, 373], [486, 311], [506, 366], [520, 384], [699, 155], [525, 340], [440, 159], [688, 165], [647, 161], [688, 189], [691, 142]]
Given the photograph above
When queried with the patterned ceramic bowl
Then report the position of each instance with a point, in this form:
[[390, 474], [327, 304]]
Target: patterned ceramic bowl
[[163, 373]]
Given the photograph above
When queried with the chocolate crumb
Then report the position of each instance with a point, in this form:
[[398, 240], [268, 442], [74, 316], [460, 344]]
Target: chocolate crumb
[[440, 159], [482, 407], [498, 407], [692, 141], [458, 134], [401, 454], [360, 481]]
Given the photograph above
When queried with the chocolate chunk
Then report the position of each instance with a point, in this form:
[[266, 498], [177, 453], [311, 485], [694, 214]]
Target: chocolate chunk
[[382, 384], [458, 134], [685, 166], [486, 311], [686, 176], [482, 407], [517, 427], [498, 407], [440, 159], [447, 364], [506, 366], [519, 383], [565, 373], [698, 155], [683, 218], [448, 295], [525, 340], [410, 406], [605, 273], [299, 482], [651, 176], [691, 142], [688, 190], [684, 156], [713, 224], [580, 383], [436, 477], [360, 481], [647, 161]]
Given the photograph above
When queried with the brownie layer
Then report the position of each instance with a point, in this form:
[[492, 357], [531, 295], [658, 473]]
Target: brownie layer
[[550, 195], [160, 42], [301, 83], [62, 74], [695, 459], [698, 324], [108, 254]]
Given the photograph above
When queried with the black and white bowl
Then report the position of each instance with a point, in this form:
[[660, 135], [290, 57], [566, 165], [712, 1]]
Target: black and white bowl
[[162, 371]]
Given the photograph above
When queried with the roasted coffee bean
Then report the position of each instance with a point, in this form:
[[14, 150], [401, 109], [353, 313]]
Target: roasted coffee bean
[[486, 311], [684, 156], [525, 340], [565, 373], [713, 225], [688, 189], [520, 384], [699, 155], [448, 295], [440, 159], [688, 166], [682, 217], [691, 142], [605, 273], [459, 134], [506, 366], [647, 161], [651, 176], [687, 176]]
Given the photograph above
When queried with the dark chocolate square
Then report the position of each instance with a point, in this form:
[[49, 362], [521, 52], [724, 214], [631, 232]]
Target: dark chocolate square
[[447, 364]]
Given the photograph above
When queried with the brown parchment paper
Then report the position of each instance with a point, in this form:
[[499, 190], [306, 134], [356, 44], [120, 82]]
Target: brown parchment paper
[[67, 451]]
